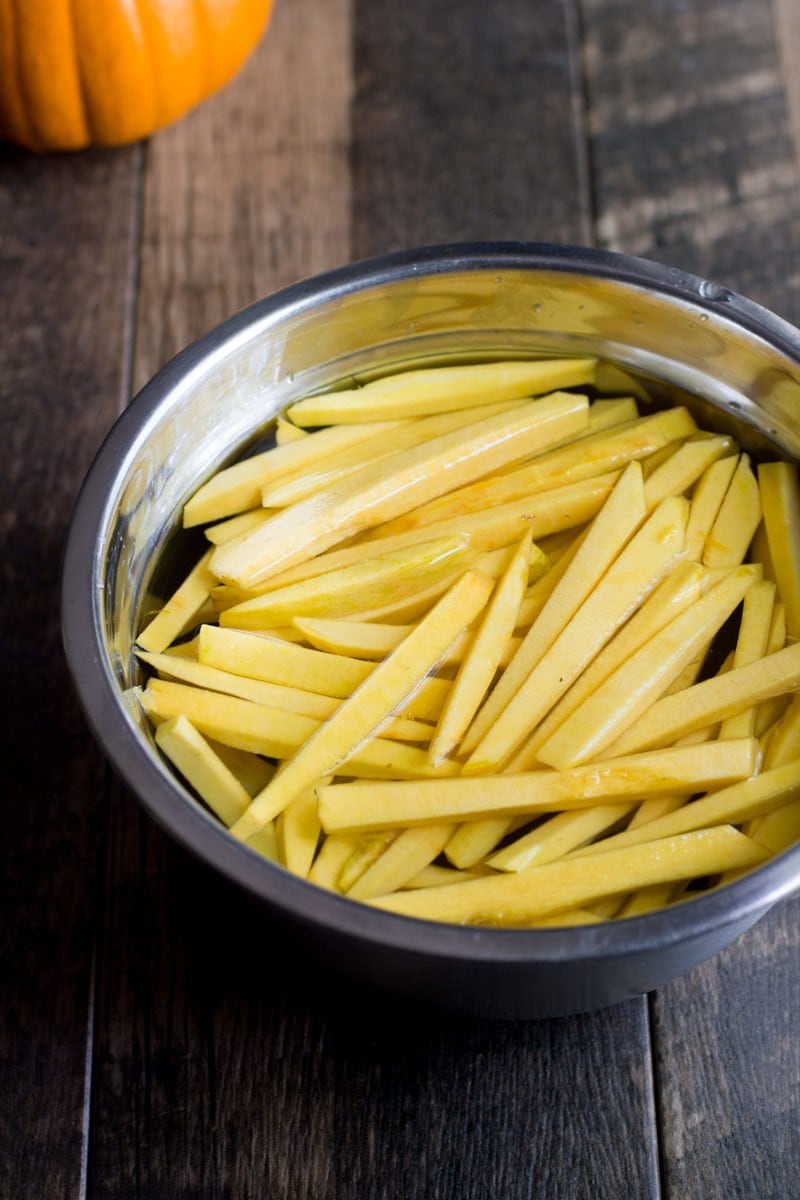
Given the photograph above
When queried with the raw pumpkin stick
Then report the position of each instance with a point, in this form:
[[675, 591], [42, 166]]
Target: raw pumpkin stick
[[328, 865], [408, 854], [681, 588], [236, 488], [683, 468], [483, 657], [274, 732], [359, 808], [751, 645], [780, 499], [286, 432], [298, 831], [712, 700], [509, 899], [611, 529], [625, 585], [474, 840], [730, 805], [367, 850], [549, 513], [707, 498], [260, 656], [398, 436], [643, 677], [191, 755], [275, 695], [439, 389], [594, 455], [558, 835], [181, 608], [350, 589], [234, 527], [244, 685], [363, 712], [378, 492], [736, 521], [253, 772], [374, 640]]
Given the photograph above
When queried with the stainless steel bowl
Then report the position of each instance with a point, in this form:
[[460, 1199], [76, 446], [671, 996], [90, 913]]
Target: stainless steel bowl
[[739, 364]]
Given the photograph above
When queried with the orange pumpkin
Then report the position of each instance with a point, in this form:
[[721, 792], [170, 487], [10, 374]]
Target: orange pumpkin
[[75, 73]]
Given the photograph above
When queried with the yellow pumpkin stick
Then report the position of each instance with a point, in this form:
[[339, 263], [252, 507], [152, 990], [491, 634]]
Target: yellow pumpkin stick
[[238, 487], [358, 808], [644, 676], [609, 532], [399, 436], [625, 585], [484, 655], [379, 492], [274, 732], [181, 607], [779, 486], [440, 389], [737, 519], [584, 458], [712, 700], [371, 582], [408, 854], [521, 897], [734, 804], [391, 682]]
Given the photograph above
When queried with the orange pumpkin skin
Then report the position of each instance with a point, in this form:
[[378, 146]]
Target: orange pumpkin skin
[[75, 73]]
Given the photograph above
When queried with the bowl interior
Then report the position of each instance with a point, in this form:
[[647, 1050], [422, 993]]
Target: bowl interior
[[737, 366]]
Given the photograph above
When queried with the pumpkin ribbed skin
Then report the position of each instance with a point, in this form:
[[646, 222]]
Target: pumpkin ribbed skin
[[75, 73]]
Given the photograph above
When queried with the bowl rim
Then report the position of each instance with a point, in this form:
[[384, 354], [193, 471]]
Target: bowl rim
[[173, 807]]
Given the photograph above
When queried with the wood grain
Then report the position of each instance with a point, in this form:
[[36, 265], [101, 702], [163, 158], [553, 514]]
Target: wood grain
[[694, 164], [467, 120], [67, 227], [230, 1065], [222, 1063], [787, 35], [252, 190], [728, 1038], [692, 158], [227, 1065]]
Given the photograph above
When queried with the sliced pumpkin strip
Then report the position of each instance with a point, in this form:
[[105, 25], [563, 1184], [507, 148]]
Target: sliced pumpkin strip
[[539, 891], [440, 389], [381, 694], [359, 808]]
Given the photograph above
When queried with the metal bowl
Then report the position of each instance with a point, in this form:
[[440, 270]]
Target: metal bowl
[[740, 366]]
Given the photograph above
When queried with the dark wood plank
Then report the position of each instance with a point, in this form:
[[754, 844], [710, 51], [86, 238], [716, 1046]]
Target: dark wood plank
[[475, 131], [252, 190], [786, 17], [694, 163], [227, 1065], [67, 232], [728, 1038], [467, 125], [692, 155]]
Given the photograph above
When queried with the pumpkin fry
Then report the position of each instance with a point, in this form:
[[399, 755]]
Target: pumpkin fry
[[339, 739], [515, 898]]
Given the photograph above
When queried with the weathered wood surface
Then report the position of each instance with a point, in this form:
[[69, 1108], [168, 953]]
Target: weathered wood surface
[[344, 1101], [691, 110], [220, 1063], [65, 242]]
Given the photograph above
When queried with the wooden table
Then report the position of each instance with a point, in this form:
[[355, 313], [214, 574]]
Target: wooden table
[[157, 1043]]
